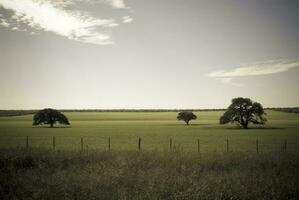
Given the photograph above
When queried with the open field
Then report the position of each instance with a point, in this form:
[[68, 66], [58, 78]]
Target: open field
[[154, 173], [155, 130]]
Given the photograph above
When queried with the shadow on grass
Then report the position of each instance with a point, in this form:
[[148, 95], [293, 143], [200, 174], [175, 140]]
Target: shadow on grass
[[255, 128], [55, 127], [187, 125]]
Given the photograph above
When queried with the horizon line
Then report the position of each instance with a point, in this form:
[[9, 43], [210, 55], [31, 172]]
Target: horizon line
[[139, 109]]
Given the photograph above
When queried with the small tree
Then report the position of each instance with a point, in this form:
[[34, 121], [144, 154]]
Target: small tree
[[186, 116], [244, 111], [49, 116]]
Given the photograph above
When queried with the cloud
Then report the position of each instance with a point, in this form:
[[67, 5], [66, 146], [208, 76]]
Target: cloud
[[118, 4], [127, 19], [4, 23], [257, 69], [50, 15], [253, 69]]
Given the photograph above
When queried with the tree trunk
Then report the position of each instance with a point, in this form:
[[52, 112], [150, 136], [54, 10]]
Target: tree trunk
[[187, 123], [52, 124], [245, 125]]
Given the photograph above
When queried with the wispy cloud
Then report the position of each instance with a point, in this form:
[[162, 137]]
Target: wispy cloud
[[119, 4], [4, 23], [254, 69], [49, 15], [127, 19], [257, 69]]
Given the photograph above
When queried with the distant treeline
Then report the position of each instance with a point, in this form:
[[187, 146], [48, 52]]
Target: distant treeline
[[8, 113], [11, 113], [140, 110], [289, 110]]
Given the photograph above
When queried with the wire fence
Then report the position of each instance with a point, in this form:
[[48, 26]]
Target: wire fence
[[228, 144]]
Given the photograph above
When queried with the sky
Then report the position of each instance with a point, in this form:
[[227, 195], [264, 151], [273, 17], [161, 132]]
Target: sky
[[148, 54]]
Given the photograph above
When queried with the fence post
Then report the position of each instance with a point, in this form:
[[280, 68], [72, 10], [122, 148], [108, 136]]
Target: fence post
[[198, 146], [227, 145], [257, 146], [82, 144], [27, 142], [54, 145], [109, 144], [170, 145], [139, 144]]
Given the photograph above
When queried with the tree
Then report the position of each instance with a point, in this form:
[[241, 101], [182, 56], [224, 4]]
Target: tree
[[244, 111], [186, 116], [49, 116]]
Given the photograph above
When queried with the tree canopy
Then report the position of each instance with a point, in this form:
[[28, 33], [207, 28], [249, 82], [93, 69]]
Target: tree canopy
[[186, 116], [49, 116], [244, 111]]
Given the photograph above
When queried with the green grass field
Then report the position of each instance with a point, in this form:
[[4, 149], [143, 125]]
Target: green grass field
[[155, 129]]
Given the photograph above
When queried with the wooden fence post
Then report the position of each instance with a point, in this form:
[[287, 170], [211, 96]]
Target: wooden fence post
[[54, 145], [285, 146], [82, 144], [27, 142], [227, 145], [139, 144], [170, 145], [198, 146], [257, 146], [109, 144]]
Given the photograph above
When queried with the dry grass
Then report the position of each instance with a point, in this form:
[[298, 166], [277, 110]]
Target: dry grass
[[41, 174]]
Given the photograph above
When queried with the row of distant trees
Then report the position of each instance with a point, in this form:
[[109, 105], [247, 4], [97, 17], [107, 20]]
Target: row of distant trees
[[242, 111], [289, 110], [11, 113]]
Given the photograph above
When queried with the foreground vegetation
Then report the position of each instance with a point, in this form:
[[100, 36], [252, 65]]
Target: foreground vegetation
[[40, 174]]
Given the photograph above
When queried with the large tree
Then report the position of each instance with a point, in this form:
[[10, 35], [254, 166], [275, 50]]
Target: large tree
[[186, 116], [50, 116], [244, 111]]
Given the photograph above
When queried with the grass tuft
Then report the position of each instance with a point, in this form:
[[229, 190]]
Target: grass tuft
[[42, 174]]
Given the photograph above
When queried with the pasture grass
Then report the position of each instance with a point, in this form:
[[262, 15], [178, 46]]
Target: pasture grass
[[38, 172], [155, 129]]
